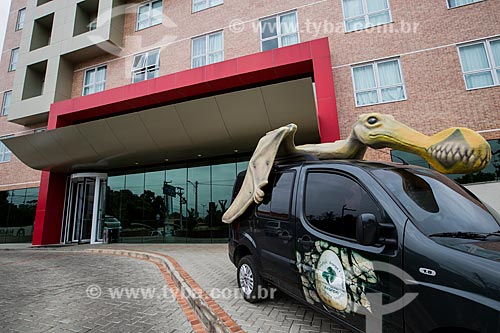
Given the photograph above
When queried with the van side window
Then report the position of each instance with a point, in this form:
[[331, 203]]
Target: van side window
[[333, 203], [278, 196]]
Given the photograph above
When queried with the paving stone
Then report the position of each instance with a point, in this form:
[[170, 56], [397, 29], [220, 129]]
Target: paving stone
[[209, 266], [64, 278], [45, 291]]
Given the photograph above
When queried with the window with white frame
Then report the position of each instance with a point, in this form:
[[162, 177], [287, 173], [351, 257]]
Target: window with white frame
[[204, 4], [207, 49], [7, 98], [14, 57], [94, 80], [458, 3], [149, 14], [481, 64], [280, 30], [5, 153], [362, 14], [378, 82], [20, 18], [146, 66]]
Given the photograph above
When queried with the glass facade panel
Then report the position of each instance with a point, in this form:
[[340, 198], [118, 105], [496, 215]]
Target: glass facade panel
[[18, 209], [200, 208], [154, 204], [149, 213], [132, 208], [223, 177], [113, 210], [177, 211]]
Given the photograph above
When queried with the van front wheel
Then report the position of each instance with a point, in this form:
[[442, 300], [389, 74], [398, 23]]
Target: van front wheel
[[251, 284]]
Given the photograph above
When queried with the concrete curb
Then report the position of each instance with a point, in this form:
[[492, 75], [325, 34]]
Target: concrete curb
[[194, 296]]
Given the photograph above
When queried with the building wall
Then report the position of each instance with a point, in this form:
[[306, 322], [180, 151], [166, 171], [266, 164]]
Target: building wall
[[50, 38], [436, 93], [423, 35], [13, 174]]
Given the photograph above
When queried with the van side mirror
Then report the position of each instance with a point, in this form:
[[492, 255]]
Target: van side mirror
[[367, 229]]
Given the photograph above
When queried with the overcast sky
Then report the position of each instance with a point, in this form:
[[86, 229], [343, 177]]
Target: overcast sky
[[4, 14]]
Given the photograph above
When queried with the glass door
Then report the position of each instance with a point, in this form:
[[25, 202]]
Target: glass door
[[87, 208], [83, 212]]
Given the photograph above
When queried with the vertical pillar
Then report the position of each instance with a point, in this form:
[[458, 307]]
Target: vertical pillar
[[49, 209], [95, 211], [97, 218], [328, 120]]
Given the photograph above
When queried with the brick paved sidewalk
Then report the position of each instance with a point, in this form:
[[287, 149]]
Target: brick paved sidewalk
[[210, 267], [46, 291], [207, 264]]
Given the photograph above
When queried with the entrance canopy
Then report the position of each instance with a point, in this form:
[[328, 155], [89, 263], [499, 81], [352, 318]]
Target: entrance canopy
[[209, 111], [203, 127]]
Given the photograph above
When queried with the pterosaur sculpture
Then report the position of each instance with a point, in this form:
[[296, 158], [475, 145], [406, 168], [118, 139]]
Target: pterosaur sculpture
[[453, 150]]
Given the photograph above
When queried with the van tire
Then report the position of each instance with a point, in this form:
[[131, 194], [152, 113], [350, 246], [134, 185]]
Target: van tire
[[252, 285]]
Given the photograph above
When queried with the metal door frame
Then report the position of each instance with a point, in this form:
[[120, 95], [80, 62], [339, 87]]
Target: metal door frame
[[72, 207]]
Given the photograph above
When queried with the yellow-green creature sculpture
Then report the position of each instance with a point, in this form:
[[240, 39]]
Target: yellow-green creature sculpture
[[453, 150]]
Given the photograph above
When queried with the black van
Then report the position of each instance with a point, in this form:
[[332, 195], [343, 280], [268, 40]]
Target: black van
[[363, 240]]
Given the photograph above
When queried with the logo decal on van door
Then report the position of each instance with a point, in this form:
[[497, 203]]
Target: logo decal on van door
[[330, 280], [336, 277]]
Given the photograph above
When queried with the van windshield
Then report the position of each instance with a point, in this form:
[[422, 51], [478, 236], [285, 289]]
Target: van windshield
[[437, 204]]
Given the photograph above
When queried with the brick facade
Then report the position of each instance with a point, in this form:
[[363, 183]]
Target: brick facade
[[13, 174], [436, 94], [423, 35]]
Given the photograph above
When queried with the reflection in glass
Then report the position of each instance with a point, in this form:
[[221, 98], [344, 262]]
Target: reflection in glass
[[177, 216], [334, 202], [148, 214], [132, 207], [223, 177], [154, 203], [439, 214], [113, 197], [18, 209], [199, 205]]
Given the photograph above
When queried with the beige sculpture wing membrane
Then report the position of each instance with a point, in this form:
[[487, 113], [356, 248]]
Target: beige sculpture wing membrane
[[258, 170], [453, 150]]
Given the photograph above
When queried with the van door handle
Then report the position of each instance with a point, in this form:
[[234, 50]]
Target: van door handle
[[285, 235], [306, 241]]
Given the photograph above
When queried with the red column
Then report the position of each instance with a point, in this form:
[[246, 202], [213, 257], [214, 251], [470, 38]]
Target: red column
[[49, 209], [328, 120]]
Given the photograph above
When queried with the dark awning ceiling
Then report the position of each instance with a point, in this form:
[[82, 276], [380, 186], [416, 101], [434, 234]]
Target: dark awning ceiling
[[211, 126]]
